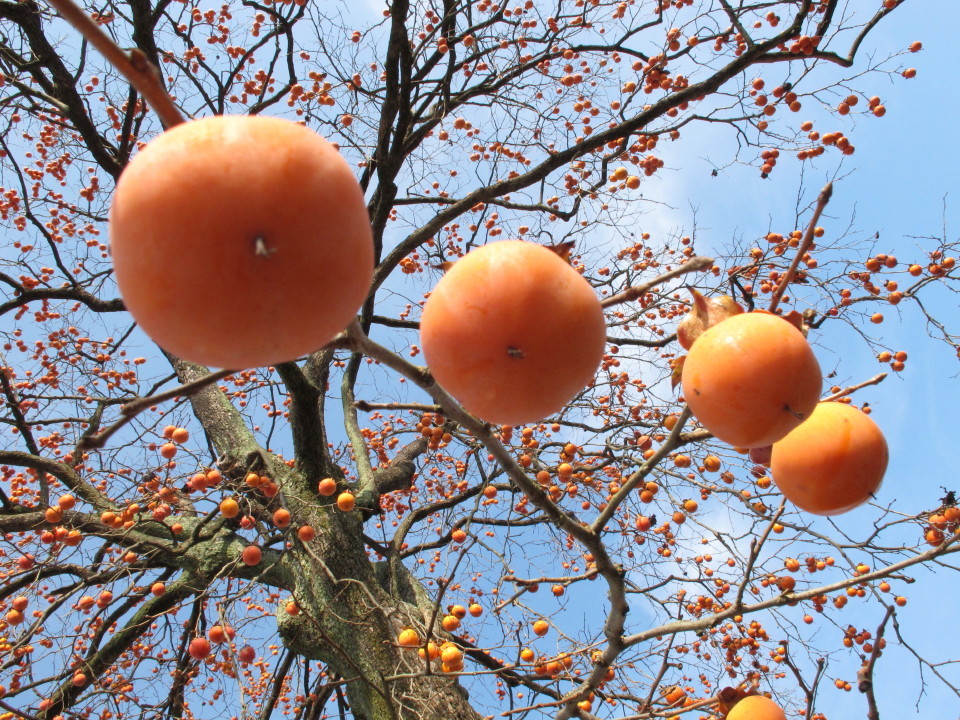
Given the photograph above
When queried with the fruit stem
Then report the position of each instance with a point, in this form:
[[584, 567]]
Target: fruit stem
[[133, 65], [822, 199]]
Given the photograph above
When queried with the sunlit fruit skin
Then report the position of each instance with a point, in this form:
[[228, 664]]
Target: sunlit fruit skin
[[513, 332], [756, 707], [833, 462], [240, 241], [751, 379]]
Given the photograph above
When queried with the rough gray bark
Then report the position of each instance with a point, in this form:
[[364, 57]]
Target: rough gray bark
[[349, 615]]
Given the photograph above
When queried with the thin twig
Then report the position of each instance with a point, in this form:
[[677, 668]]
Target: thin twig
[[365, 406], [698, 262], [875, 380], [133, 65], [809, 692], [822, 199], [755, 546], [129, 411]]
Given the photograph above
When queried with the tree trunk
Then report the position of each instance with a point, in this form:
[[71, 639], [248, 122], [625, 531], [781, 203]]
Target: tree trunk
[[350, 620]]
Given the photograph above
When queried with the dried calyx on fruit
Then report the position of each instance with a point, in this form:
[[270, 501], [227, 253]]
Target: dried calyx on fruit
[[704, 313], [751, 379]]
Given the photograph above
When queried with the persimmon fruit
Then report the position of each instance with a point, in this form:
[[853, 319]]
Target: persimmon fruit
[[751, 379], [229, 507], [199, 648], [327, 487], [451, 655], [756, 707], [513, 332], [432, 651], [408, 638], [833, 462], [281, 517], [218, 634], [240, 241], [450, 623], [251, 555], [346, 501]]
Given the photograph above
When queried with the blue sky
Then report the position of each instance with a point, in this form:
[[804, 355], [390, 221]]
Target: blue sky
[[903, 182]]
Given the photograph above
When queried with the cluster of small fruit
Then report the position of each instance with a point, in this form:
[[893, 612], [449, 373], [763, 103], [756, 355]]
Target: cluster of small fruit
[[942, 523]]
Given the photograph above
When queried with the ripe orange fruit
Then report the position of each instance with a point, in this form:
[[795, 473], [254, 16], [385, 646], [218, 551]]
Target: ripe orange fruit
[[451, 655], [281, 517], [229, 507], [432, 651], [832, 462], [255, 220], [199, 648], [219, 634], [541, 627], [751, 379], [756, 707], [327, 487], [346, 501], [513, 332], [251, 555], [674, 695], [408, 638], [450, 623]]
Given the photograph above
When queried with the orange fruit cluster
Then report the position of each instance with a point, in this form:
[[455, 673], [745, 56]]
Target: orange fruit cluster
[[753, 381]]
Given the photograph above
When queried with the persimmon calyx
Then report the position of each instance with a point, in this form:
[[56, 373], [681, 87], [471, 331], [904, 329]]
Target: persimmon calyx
[[562, 250], [704, 313]]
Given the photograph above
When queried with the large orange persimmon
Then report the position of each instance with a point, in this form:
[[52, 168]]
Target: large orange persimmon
[[240, 241], [513, 332], [756, 707], [751, 379], [833, 462]]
